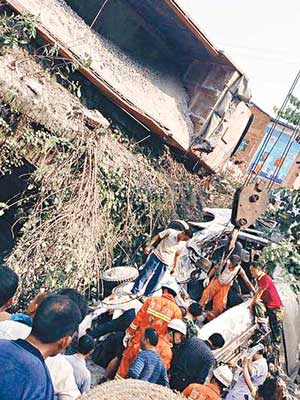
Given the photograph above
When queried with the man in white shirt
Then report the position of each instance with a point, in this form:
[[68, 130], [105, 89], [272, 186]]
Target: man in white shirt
[[62, 377], [82, 375], [257, 369], [165, 255]]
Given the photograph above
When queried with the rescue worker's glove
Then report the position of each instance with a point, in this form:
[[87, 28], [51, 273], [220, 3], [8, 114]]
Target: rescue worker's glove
[[126, 339], [205, 282]]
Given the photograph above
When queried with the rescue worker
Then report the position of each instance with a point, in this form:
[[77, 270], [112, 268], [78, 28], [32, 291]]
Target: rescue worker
[[163, 257], [219, 286], [155, 313], [192, 360], [176, 331], [267, 301], [221, 379]]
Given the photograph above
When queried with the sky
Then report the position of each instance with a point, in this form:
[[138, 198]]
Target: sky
[[262, 37]]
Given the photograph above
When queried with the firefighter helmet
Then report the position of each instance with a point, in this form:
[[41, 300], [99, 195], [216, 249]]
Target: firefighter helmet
[[224, 375], [177, 325]]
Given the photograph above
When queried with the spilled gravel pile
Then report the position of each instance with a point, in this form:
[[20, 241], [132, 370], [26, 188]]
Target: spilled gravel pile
[[159, 94]]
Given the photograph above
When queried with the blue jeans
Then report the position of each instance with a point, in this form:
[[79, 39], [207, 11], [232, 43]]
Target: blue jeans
[[152, 266]]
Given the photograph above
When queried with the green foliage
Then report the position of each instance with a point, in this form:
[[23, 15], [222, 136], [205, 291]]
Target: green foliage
[[61, 68], [11, 157], [5, 129], [287, 214], [17, 30], [292, 113], [285, 253]]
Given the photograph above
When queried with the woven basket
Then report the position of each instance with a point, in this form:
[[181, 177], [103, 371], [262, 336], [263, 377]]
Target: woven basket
[[130, 389], [120, 274]]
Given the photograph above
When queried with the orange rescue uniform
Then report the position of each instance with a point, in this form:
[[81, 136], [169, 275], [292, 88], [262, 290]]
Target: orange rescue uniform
[[195, 391], [216, 293], [156, 313], [163, 349]]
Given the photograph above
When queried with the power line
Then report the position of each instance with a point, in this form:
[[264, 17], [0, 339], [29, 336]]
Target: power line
[[98, 13]]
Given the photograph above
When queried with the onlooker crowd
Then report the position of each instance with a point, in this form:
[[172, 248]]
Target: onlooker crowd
[[42, 355]]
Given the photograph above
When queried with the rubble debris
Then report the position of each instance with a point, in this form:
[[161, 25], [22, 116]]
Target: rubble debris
[[287, 389], [130, 389]]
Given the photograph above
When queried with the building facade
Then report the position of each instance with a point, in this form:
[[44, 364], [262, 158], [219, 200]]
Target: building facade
[[270, 151]]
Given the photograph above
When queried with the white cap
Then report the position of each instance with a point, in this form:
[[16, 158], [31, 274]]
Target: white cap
[[224, 375], [171, 285], [177, 325], [183, 223]]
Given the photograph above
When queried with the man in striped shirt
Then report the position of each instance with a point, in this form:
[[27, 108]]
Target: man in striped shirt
[[148, 365]]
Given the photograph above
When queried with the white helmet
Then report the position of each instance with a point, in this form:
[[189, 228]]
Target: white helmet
[[177, 325], [224, 375], [171, 285]]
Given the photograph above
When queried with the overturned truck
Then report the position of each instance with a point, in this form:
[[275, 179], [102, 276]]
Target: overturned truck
[[152, 61]]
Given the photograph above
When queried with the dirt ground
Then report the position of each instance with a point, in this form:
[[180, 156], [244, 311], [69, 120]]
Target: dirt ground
[[161, 95]]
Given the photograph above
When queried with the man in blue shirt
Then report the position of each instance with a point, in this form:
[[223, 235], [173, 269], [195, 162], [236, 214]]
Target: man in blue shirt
[[23, 373], [192, 360], [148, 365]]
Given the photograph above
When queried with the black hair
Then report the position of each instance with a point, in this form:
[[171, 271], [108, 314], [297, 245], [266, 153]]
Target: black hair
[[188, 232], [8, 284], [172, 292], [86, 344], [268, 389], [77, 297], [256, 265], [217, 340], [195, 309], [57, 317], [220, 384], [235, 259], [151, 335]]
